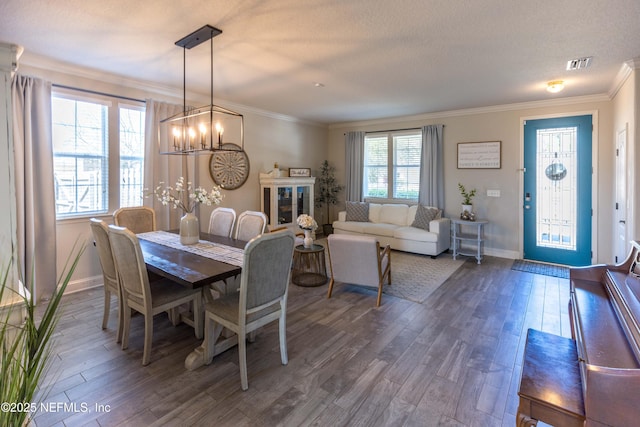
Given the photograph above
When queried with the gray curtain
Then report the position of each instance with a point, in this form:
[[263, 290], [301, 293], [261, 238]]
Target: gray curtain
[[35, 192], [160, 168], [354, 163], [432, 167]]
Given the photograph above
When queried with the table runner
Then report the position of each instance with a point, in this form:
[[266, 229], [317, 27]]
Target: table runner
[[211, 250]]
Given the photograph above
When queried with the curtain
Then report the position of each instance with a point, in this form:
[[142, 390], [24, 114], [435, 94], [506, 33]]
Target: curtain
[[160, 168], [432, 167], [35, 192], [354, 163]]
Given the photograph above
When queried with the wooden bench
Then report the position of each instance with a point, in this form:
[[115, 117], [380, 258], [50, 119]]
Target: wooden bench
[[550, 385]]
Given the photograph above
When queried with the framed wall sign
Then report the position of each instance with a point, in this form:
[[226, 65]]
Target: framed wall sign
[[298, 172], [479, 155]]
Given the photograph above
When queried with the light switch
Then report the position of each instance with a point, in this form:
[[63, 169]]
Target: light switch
[[493, 193]]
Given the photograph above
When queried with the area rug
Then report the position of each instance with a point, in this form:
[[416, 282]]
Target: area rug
[[541, 268], [415, 277]]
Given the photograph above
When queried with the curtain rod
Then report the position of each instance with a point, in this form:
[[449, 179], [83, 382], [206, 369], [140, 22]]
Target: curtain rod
[[392, 130], [95, 92]]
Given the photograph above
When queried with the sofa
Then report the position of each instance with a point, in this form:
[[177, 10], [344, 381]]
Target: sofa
[[419, 229]]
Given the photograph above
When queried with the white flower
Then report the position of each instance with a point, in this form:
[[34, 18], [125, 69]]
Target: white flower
[[185, 198], [307, 222]]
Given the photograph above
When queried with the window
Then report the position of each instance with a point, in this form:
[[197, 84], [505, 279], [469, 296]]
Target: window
[[392, 165], [95, 146], [131, 156]]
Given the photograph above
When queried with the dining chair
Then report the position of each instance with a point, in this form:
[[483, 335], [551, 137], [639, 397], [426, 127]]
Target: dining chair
[[100, 231], [139, 219], [147, 298], [250, 225], [222, 221], [262, 298], [358, 260]]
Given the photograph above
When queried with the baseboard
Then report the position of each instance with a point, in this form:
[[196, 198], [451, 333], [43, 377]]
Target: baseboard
[[84, 284], [501, 253]]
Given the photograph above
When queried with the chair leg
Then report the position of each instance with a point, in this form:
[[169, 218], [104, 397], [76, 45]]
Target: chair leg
[[379, 292], [148, 337], [283, 338], [107, 307], [126, 320], [120, 320], [242, 353], [330, 288]]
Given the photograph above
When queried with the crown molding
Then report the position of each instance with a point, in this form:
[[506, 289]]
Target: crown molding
[[625, 71], [475, 111], [46, 63]]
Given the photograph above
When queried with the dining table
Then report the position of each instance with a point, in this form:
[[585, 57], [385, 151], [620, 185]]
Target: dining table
[[212, 259]]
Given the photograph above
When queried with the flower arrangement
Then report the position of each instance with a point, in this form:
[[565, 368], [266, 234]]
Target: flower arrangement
[[466, 195], [185, 198], [307, 222]]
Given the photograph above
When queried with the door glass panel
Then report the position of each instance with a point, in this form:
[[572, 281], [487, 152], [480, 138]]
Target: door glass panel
[[303, 201], [556, 188], [285, 205]]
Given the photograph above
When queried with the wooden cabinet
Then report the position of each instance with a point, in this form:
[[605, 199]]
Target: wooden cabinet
[[284, 199]]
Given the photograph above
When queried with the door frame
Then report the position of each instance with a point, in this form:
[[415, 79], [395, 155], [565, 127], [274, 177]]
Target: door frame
[[594, 177]]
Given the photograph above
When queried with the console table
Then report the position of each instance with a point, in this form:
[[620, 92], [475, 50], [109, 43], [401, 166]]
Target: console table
[[471, 235]]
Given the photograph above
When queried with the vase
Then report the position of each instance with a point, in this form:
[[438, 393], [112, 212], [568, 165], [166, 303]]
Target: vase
[[308, 240], [189, 229], [467, 208]]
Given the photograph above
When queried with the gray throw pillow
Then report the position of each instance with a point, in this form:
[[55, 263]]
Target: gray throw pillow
[[424, 215], [358, 211]]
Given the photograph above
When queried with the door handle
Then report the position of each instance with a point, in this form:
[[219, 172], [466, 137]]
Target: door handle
[[622, 221]]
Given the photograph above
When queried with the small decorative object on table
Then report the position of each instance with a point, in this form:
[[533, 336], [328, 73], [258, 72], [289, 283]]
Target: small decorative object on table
[[187, 199], [467, 207], [308, 224]]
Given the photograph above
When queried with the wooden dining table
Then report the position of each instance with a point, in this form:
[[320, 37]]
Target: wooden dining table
[[193, 271]]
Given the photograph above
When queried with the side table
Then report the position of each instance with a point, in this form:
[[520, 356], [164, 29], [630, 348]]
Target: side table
[[474, 240], [309, 266]]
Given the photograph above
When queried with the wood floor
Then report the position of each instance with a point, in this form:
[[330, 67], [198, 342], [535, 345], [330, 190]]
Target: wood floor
[[452, 361]]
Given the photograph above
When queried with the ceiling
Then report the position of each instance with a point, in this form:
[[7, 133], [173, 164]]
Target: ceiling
[[374, 58]]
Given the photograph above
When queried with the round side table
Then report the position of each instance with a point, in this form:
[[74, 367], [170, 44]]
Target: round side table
[[309, 266]]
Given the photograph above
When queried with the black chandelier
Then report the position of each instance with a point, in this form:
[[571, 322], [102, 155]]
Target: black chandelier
[[206, 129]]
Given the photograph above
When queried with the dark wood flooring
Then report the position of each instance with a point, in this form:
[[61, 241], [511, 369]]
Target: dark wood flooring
[[452, 361]]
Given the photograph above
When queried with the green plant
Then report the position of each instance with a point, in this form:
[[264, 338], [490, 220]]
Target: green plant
[[466, 195], [328, 188], [25, 348]]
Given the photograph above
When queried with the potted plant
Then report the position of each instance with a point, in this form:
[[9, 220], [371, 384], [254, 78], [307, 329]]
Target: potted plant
[[467, 196], [328, 190]]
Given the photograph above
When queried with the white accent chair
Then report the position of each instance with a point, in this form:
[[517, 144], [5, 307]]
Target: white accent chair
[[262, 299], [222, 221], [100, 231], [139, 219], [250, 225], [147, 298], [358, 260]]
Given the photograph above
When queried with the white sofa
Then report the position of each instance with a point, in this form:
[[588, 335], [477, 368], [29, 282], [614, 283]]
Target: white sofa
[[391, 225]]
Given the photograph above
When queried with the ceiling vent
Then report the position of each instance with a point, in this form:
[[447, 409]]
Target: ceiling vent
[[577, 64]]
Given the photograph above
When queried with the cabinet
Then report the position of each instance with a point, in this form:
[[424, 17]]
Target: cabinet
[[284, 199]]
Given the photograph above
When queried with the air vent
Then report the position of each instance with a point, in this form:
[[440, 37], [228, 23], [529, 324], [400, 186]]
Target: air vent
[[577, 64]]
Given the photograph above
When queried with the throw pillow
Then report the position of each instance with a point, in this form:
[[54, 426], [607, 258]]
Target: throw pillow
[[358, 211], [424, 215]]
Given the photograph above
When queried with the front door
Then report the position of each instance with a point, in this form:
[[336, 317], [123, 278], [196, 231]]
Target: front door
[[557, 190]]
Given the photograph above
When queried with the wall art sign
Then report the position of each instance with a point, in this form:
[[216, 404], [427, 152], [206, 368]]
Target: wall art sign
[[479, 155]]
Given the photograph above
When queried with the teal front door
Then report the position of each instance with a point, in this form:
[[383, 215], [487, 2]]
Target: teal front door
[[557, 190]]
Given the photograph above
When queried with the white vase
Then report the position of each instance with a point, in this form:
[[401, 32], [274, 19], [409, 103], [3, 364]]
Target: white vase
[[189, 229], [467, 208], [308, 240]]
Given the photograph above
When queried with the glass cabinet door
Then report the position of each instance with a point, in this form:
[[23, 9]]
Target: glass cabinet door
[[303, 200], [285, 205]]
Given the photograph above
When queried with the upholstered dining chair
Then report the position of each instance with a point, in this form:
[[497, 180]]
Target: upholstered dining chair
[[264, 286], [358, 260], [100, 231], [147, 298], [222, 221], [139, 219], [250, 225]]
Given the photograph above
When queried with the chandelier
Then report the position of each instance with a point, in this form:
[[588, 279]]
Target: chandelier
[[206, 129]]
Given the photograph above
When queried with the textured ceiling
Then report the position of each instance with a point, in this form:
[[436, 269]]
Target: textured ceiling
[[375, 58]]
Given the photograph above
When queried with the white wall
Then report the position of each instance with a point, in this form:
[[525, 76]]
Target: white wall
[[269, 138], [504, 235]]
